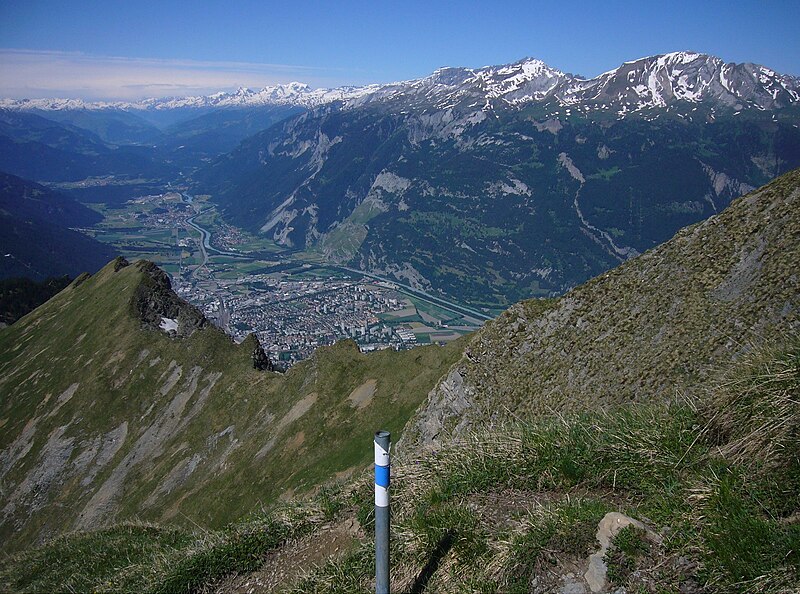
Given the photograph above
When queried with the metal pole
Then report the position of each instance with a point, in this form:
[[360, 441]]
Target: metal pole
[[382, 446]]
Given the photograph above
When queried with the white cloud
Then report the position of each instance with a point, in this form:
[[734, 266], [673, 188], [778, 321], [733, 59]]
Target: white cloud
[[46, 74]]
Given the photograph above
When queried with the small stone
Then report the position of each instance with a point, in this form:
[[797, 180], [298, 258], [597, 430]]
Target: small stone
[[572, 586]]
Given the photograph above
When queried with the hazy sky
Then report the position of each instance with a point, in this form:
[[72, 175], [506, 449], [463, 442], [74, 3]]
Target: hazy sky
[[109, 49]]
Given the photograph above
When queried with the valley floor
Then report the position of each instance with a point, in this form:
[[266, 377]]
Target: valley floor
[[292, 301]]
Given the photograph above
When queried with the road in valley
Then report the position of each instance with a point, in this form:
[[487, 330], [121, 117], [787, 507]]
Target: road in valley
[[205, 248]]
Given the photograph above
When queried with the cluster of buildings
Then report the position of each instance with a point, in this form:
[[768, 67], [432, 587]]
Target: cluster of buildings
[[293, 317], [170, 211]]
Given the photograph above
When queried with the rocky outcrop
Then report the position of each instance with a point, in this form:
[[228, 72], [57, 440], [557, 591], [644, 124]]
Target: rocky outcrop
[[120, 263], [596, 575], [260, 359], [154, 302]]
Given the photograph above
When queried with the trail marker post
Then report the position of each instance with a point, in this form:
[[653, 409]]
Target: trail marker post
[[382, 446]]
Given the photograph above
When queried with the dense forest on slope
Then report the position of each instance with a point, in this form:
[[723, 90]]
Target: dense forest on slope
[[19, 296], [36, 236]]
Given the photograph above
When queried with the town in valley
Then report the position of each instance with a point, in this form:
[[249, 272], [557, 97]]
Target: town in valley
[[293, 302]]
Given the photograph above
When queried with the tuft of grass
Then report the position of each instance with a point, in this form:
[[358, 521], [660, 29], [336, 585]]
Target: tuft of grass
[[138, 557], [352, 573], [644, 449], [546, 535], [622, 557], [743, 542], [754, 412]]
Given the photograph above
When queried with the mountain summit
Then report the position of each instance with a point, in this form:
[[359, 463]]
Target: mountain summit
[[118, 400], [661, 81], [654, 81], [495, 184]]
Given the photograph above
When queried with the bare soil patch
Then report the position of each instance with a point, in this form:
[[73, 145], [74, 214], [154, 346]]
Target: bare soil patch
[[362, 395], [284, 566]]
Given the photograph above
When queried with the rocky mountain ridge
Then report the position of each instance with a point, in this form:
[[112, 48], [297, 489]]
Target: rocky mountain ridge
[[119, 401], [650, 82]]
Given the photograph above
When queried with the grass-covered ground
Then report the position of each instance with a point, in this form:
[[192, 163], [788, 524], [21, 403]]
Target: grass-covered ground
[[514, 509], [106, 421], [510, 509]]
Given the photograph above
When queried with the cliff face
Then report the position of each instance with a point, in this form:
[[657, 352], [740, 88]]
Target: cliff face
[[644, 331], [154, 301]]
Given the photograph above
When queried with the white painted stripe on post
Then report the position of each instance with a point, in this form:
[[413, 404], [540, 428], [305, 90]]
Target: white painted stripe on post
[[381, 456], [381, 496]]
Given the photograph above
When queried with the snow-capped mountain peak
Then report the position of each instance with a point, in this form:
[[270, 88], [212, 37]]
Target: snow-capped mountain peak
[[653, 82], [661, 81], [523, 81]]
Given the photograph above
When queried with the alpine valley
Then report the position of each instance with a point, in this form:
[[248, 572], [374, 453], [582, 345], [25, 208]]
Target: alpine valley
[[483, 185], [628, 422]]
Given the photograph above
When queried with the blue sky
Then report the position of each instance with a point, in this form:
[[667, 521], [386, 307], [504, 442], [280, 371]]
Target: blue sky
[[108, 49]]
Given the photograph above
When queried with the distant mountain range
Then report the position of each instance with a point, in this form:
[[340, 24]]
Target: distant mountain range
[[488, 185], [495, 184], [655, 81]]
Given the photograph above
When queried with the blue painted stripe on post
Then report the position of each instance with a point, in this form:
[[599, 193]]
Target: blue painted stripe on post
[[382, 476]]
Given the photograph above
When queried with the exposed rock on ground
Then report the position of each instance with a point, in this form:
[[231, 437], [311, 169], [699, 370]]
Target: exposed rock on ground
[[154, 301]]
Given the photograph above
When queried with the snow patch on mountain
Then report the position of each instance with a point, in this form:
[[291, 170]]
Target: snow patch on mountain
[[654, 82]]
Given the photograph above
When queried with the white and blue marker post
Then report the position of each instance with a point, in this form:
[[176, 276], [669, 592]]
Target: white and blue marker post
[[382, 446]]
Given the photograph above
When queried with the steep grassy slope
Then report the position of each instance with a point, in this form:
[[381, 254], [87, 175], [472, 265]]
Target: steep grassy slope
[[105, 417], [642, 332], [514, 509]]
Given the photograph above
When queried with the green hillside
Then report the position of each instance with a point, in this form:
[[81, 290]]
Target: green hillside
[[105, 417], [647, 330], [713, 487], [639, 434]]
